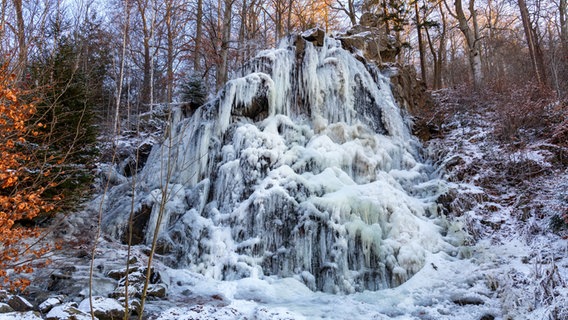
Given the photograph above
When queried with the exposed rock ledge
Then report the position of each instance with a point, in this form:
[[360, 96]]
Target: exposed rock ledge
[[372, 44]]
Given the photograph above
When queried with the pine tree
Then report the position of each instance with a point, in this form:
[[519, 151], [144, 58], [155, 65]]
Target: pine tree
[[69, 83], [193, 94]]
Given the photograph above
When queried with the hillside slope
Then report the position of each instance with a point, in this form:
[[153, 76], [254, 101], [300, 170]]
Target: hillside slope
[[512, 196]]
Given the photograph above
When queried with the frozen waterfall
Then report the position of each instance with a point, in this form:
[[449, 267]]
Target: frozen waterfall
[[301, 167]]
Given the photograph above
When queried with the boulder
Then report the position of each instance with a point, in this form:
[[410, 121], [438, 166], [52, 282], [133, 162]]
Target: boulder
[[315, 36], [206, 312], [4, 308], [63, 282], [192, 298], [157, 290], [103, 308], [369, 19], [67, 311], [29, 315], [19, 303], [370, 42], [110, 175], [134, 304], [473, 300], [51, 302], [136, 278], [257, 108]]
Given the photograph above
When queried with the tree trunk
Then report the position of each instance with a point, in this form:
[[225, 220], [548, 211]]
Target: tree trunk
[[145, 93], [151, 44], [21, 35], [438, 71], [148, 33], [243, 33], [420, 44], [170, 52], [471, 35], [438, 56], [222, 70], [352, 13], [3, 23], [533, 44], [289, 16], [563, 12], [116, 127], [563, 61], [198, 36], [279, 12]]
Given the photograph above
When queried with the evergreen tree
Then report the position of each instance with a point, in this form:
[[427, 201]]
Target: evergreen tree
[[65, 110], [69, 85], [193, 94]]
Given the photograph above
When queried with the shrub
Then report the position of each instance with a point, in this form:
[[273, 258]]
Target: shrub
[[23, 181], [523, 113]]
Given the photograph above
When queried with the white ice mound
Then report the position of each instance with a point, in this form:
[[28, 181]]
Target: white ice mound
[[303, 167]]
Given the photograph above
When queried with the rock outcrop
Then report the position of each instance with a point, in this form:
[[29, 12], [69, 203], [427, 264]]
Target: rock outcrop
[[370, 43], [409, 92]]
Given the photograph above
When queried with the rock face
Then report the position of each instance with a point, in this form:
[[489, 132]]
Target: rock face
[[410, 93], [302, 167], [315, 36], [371, 41]]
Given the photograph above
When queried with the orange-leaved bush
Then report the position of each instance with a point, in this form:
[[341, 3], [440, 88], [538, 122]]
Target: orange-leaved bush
[[20, 188]]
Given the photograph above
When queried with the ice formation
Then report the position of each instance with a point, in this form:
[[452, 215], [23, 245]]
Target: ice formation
[[302, 167]]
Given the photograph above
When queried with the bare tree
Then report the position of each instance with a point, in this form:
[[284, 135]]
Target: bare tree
[[147, 15], [223, 68], [469, 27], [349, 7], [535, 51], [277, 11], [116, 126], [421, 52], [21, 35], [563, 17], [170, 49], [439, 53], [248, 29], [198, 36]]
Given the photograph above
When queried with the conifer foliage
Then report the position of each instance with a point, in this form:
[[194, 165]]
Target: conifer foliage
[[193, 93], [23, 181]]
